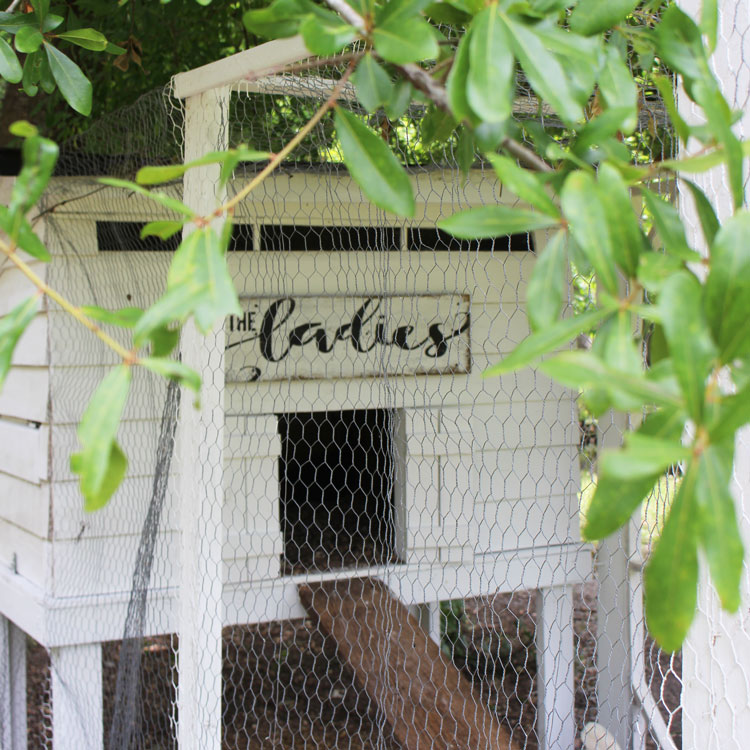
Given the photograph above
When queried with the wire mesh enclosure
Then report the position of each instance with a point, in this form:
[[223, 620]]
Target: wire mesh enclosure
[[354, 540]]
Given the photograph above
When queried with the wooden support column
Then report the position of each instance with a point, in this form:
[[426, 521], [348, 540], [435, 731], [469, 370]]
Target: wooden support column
[[200, 452], [77, 705], [619, 637], [12, 686], [556, 725]]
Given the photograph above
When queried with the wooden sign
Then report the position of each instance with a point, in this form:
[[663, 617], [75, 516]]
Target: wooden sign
[[301, 338]]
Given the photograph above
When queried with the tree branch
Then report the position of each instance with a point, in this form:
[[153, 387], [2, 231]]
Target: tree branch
[[435, 92]]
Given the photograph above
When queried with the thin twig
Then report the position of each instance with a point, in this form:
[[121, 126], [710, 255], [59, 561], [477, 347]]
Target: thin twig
[[10, 251], [12, 6], [281, 155]]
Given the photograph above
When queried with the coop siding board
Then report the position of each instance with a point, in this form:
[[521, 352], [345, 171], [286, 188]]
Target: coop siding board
[[433, 705], [74, 238], [124, 514], [416, 391], [15, 287], [25, 553], [24, 450], [25, 504], [32, 349], [25, 394]]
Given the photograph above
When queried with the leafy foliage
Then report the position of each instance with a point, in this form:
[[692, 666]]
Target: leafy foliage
[[669, 343]]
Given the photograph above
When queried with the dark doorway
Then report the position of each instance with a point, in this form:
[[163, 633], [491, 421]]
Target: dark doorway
[[336, 489]]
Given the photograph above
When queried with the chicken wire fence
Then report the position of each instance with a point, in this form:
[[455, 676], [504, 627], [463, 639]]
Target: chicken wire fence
[[355, 541]]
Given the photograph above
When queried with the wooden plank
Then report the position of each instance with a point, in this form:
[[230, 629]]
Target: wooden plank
[[24, 553], [23, 450], [431, 705], [25, 504], [238, 66], [25, 394], [15, 287], [32, 348]]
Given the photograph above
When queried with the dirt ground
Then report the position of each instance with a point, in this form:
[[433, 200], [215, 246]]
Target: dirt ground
[[285, 686]]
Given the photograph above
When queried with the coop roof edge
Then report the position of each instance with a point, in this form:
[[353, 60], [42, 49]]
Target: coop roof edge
[[264, 57]]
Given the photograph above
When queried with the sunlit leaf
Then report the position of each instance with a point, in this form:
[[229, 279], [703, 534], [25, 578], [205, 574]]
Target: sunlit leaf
[[86, 38], [548, 284], [374, 86], [495, 221], [174, 370], [373, 166], [591, 17], [527, 185], [12, 326], [75, 88], [161, 198], [670, 227], [405, 41]]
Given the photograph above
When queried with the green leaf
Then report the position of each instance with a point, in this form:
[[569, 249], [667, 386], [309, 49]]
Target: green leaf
[[671, 576], [46, 79], [173, 306], [670, 227], [374, 86], [728, 288], [373, 166], [281, 19], [624, 229], [614, 502], [643, 456], [546, 340], [548, 284], [397, 11], [28, 39], [465, 151], [164, 200], [616, 499], [706, 213], [327, 34], [12, 22], [494, 221], [86, 38], [584, 370], [163, 340], [399, 101], [51, 22], [437, 125], [39, 159], [457, 82], [587, 219], [733, 412], [101, 464], [490, 83], [405, 41], [591, 17], [125, 317], [720, 535], [654, 268], [692, 351], [543, 70], [169, 172], [679, 45], [665, 85], [617, 87], [162, 229], [18, 229], [525, 184], [710, 22], [174, 370], [30, 74], [75, 88], [12, 326]]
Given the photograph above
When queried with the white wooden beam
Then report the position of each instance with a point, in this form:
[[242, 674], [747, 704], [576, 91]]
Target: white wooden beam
[[200, 453], [556, 725], [239, 66], [77, 697], [12, 686]]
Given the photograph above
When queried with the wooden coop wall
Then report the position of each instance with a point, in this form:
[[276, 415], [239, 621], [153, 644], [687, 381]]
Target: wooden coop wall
[[487, 509]]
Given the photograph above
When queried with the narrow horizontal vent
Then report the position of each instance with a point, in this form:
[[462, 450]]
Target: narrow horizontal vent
[[427, 238], [125, 236], [294, 238]]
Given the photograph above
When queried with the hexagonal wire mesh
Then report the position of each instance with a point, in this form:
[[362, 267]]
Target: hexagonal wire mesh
[[398, 539]]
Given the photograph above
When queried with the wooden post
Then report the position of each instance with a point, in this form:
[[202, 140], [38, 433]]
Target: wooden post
[[556, 725], [200, 452], [12, 686], [77, 697]]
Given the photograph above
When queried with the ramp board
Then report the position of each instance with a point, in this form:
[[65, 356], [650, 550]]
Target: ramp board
[[427, 701]]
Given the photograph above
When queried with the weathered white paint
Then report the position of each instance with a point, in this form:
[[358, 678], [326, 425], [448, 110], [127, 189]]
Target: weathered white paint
[[25, 504], [24, 450], [15, 288], [12, 686], [25, 394], [77, 697], [556, 725], [33, 348], [238, 66], [200, 457]]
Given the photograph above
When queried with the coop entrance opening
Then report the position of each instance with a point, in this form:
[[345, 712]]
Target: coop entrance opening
[[336, 489]]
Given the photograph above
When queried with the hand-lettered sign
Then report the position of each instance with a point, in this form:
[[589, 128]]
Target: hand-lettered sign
[[302, 338]]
